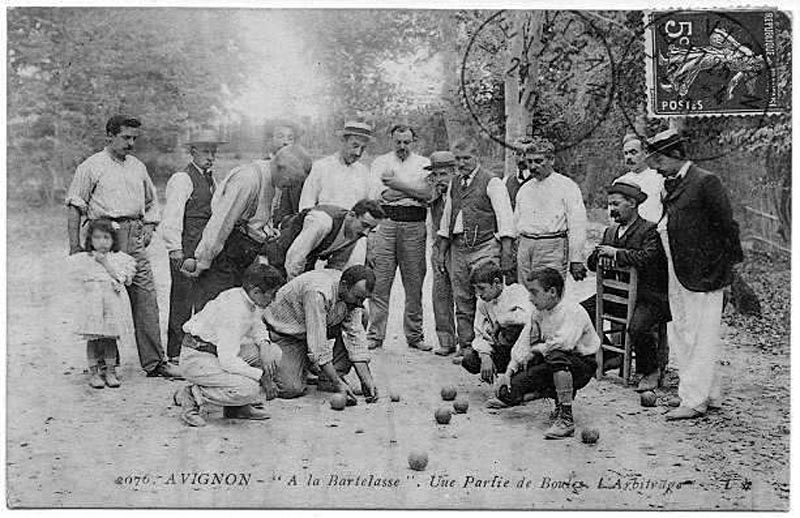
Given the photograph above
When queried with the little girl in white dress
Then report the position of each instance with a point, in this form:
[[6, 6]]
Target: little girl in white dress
[[101, 274]]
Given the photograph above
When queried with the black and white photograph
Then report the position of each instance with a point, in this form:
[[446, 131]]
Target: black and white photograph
[[521, 256]]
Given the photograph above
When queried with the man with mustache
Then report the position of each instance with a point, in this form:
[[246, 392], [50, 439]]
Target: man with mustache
[[477, 225], [549, 217], [701, 241], [634, 241], [651, 183], [113, 184], [401, 185], [186, 212]]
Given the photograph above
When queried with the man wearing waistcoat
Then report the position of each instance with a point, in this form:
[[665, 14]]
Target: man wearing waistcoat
[[186, 212], [477, 225]]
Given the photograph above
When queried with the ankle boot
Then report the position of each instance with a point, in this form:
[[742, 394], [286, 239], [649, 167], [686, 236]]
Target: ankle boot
[[95, 380], [564, 425], [111, 375]]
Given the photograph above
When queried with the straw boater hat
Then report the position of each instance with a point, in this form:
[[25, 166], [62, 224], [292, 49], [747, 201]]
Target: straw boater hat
[[441, 159], [205, 137], [664, 142], [628, 190], [357, 128]]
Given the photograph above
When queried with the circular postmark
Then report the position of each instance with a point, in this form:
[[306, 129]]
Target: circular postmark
[[707, 63], [560, 65]]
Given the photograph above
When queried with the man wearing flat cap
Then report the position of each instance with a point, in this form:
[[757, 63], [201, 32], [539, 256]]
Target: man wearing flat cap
[[549, 216], [186, 212], [701, 241], [634, 241]]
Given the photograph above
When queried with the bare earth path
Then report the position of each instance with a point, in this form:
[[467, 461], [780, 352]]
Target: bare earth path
[[69, 445]]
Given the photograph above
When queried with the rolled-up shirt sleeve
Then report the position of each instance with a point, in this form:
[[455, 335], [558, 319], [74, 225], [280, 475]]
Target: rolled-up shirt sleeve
[[484, 330], [355, 337], [316, 226], [152, 213], [501, 203], [317, 328], [522, 352], [576, 224], [179, 189], [237, 197], [80, 190]]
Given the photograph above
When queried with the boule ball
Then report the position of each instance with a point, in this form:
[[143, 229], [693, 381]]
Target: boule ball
[[648, 399], [417, 460], [449, 393], [394, 397], [461, 406], [442, 415], [590, 435], [338, 401]]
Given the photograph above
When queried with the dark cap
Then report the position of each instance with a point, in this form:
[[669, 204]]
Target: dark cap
[[628, 190]]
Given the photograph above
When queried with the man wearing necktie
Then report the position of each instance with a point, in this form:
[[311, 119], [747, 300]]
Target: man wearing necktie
[[186, 214], [701, 241]]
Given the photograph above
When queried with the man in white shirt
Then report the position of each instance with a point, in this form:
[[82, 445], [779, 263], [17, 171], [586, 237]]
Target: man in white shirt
[[477, 225], [401, 182], [549, 217], [648, 180], [227, 356], [340, 179], [186, 212]]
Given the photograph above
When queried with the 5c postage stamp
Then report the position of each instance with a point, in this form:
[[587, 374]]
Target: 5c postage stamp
[[713, 63]]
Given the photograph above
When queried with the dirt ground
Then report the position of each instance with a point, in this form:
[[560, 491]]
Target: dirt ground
[[69, 445]]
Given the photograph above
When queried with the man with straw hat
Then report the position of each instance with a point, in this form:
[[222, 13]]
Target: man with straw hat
[[186, 213]]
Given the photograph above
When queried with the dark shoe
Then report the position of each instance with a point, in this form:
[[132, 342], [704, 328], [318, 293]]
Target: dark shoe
[[165, 370], [496, 403], [612, 363], [190, 413], [111, 376], [648, 382], [444, 351], [244, 412], [683, 412], [421, 345], [96, 380], [562, 428]]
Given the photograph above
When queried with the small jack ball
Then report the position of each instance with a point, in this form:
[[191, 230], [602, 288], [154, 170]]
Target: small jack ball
[[590, 435]]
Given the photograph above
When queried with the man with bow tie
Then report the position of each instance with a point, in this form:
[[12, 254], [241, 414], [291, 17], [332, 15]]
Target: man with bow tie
[[187, 211], [701, 241]]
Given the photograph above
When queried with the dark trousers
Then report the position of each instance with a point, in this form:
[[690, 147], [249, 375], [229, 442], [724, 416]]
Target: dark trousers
[[182, 299], [538, 375], [501, 355], [142, 293], [643, 329], [228, 267], [443, 305]]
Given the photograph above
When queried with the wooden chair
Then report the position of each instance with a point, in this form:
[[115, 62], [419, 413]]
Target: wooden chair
[[616, 300]]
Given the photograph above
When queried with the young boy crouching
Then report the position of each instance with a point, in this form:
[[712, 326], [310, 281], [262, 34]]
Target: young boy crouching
[[227, 356], [554, 355], [501, 314]]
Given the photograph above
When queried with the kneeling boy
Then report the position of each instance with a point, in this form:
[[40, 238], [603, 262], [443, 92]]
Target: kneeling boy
[[554, 355], [501, 314], [225, 348]]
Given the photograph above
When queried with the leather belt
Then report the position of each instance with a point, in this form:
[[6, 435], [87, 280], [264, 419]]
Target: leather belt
[[551, 235], [198, 344], [405, 214]]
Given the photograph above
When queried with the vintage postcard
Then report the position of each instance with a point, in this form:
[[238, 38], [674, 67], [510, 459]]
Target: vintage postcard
[[398, 259]]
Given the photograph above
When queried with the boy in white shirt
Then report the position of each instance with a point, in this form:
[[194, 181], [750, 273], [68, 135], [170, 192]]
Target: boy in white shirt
[[225, 348], [501, 313], [558, 346]]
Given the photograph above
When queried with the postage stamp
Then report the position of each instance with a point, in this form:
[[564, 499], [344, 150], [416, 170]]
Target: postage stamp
[[701, 63]]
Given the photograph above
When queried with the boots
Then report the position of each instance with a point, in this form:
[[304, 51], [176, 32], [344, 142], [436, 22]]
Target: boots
[[190, 409], [111, 374], [95, 379], [244, 412], [563, 426]]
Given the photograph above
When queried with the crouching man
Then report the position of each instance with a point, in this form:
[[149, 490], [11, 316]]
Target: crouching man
[[501, 314], [316, 320], [555, 354], [226, 355]]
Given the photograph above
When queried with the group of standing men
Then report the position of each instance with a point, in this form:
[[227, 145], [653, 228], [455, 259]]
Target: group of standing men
[[292, 213]]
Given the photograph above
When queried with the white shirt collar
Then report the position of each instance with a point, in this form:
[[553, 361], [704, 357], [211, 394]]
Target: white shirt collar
[[200, 168], [684, 169], [247, 299]]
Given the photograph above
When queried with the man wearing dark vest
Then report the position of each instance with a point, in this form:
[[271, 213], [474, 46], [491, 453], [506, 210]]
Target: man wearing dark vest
[[324, 232], [187, 210], [477, 225], [513, 184], [442, 168]]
